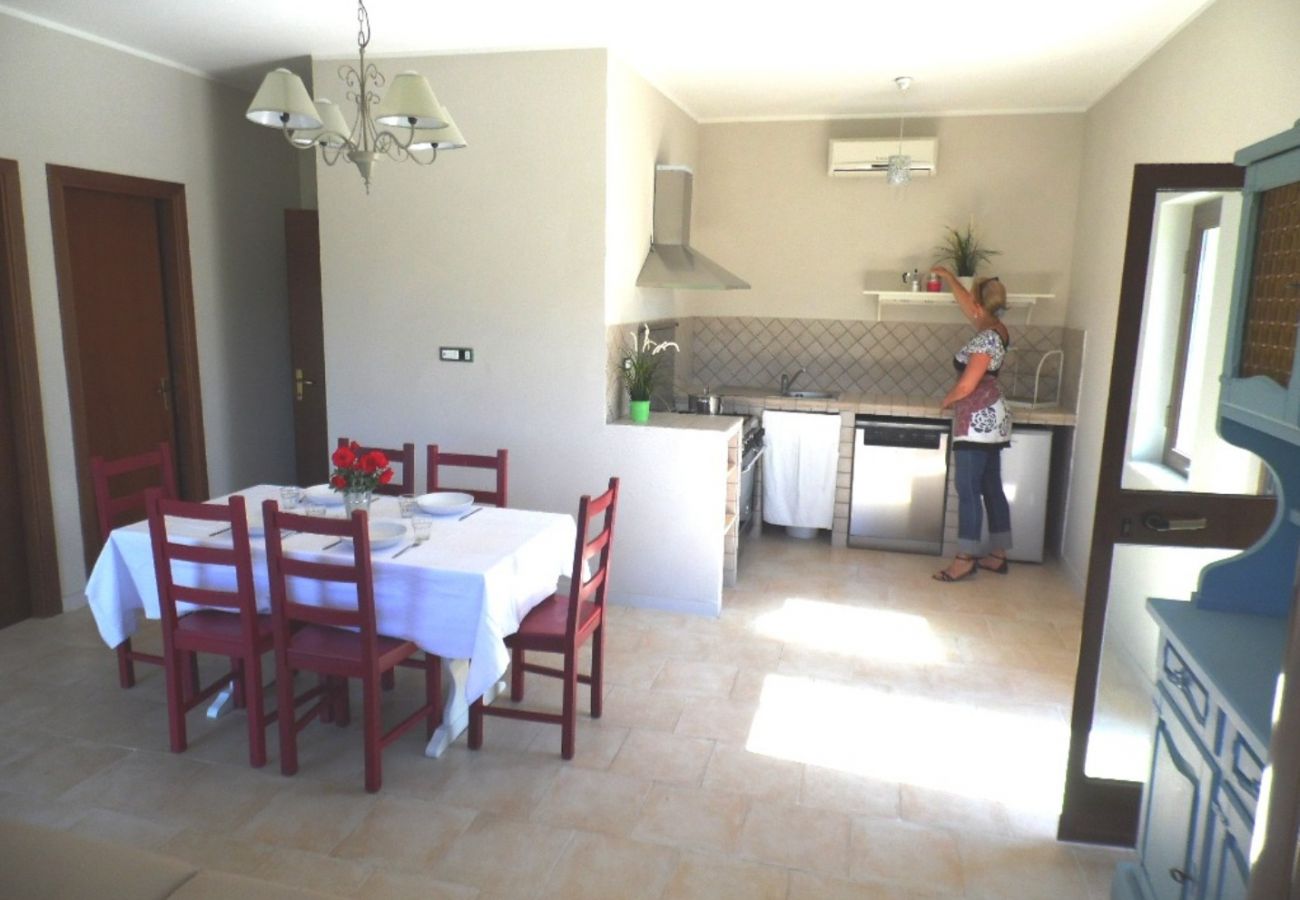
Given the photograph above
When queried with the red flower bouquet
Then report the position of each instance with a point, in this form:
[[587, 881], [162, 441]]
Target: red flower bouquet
[[355, 471]]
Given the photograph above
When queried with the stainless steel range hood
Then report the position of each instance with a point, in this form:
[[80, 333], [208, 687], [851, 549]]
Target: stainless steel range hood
[[671, 262]]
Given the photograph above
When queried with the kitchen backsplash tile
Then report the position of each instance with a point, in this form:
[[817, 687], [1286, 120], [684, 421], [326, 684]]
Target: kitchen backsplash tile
[[894, 358]]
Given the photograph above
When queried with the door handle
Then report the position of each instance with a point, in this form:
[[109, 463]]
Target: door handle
[[1181, 877], [164, 390], [299, 382], [1158, 522]]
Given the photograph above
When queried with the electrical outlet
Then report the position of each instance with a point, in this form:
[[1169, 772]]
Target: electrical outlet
[[456, 354]]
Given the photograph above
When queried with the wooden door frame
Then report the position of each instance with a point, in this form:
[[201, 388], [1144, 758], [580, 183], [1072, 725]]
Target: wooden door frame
[[1097, 810], [18, 344], [178, 299]]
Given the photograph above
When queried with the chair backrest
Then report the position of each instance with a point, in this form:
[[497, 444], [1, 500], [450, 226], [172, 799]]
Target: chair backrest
[[436, 460], [286, 612], [138, 473], [404, 481], [237, 558], [587, 584]]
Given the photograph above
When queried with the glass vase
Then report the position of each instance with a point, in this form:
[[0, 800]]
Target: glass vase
[[354, 500]]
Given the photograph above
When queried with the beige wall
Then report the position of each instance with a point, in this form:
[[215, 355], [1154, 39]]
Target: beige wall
[[76, 103], [809, 243], [1230, 78], [502, 247]]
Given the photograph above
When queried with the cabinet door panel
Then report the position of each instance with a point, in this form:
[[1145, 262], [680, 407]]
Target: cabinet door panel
[[1227, 864], [1173, 809]]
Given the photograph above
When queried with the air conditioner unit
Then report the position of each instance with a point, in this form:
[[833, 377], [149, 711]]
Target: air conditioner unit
[[864, 156]]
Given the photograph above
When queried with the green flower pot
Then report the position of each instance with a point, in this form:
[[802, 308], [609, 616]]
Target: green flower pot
[[638, 411]]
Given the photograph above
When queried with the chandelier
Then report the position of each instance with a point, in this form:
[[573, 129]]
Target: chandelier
[[900, 164], [407, 124]]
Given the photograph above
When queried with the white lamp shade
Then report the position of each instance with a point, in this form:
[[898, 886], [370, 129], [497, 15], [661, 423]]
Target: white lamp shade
[[409, 98], [448, 138], [282, 95], [334, 129]]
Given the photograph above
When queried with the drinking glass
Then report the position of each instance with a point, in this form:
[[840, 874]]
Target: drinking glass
[[290, 497], [406, 503], [421, 526], [314, 509]]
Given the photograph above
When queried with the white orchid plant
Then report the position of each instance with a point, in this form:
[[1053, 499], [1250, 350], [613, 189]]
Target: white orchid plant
[[641, 363]]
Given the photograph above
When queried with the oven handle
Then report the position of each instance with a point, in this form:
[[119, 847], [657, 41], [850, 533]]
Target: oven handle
[[749, 465]]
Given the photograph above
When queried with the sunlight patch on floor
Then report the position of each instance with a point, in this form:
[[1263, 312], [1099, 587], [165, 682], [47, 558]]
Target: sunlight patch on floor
[[853, 631], [1017, 759]]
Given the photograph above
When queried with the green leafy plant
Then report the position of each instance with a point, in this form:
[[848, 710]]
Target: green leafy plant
[[641, 362], [964, 250]]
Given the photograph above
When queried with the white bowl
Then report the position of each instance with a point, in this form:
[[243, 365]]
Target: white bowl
[[445, 503], [322, 495], [384, 533]]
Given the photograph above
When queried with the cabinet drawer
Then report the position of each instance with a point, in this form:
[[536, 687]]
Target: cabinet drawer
[[1188, 693]]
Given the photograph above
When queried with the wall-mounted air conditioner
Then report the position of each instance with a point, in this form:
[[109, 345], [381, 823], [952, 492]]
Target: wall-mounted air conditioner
[[870, 156]]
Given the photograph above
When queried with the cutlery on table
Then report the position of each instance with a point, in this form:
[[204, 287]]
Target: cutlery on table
[[218, 532], [477, 509], [404, 549], [332, 544]]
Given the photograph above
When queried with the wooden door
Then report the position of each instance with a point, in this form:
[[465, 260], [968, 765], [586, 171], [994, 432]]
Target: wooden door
[[122, 251], [29, 583], [307, 345], [1181, 524]]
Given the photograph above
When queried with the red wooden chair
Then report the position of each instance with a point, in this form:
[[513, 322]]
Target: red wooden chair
[[131, 476], [227, 622], [437, 460], [338, 642], [404, 481], [561, 624]]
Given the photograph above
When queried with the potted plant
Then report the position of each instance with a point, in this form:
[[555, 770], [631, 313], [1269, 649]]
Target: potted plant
[[640, 372], [964, 251], [357, 474]]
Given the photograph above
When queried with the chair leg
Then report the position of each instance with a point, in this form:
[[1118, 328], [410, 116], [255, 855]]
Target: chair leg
[[327, 711], [597, 669], [177, 698], [239, 684], [476, 724], [432, 693], [517, 674], [125, 666], [569, 710], [341, 701], [251, 688], [190, 682], [285, 718], [370, 688]]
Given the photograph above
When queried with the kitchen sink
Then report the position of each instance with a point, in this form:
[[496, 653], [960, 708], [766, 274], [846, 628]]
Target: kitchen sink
[[812, 395]]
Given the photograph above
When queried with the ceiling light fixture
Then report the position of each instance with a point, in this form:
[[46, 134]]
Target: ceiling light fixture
[[900, 164], [421, 122]]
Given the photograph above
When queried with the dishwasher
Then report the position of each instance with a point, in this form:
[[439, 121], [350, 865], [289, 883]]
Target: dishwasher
[[899, 488]]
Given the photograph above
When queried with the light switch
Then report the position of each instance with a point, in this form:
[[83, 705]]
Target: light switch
[[456, 354]]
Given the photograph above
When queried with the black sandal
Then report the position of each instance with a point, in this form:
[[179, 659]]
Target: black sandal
[[942, 574], [1000, 570]]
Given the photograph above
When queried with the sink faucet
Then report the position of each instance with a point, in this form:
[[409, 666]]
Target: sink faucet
[[787, 381]]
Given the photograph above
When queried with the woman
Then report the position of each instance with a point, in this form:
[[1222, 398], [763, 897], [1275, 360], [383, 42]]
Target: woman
[[981, 427]]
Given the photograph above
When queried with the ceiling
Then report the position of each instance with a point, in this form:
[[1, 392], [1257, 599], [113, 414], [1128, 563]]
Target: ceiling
[[718, 59]]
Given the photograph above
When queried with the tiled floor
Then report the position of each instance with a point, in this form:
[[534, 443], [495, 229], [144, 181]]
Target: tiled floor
[[848, 729]]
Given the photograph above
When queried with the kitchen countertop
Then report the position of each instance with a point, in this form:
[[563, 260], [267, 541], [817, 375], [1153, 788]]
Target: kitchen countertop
[[920, 407], [686, 421]]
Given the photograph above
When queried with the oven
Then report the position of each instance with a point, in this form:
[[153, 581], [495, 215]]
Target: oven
[[751, 451]]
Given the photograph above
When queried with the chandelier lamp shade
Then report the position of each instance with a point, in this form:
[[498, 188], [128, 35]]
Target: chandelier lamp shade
[[407, 123]]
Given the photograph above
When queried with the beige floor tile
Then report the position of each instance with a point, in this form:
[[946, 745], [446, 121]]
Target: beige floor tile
[[506, 782], [313, 871], [409, 832], [1098, 867], [58, 767], [902, 853], [719, 719], [217, 851], [690, 677], [798, 837], [594, 801], [735, 769], [955, 812], [849, 792], [599, 866], [1033, 870], [391, 884], [642, 709], [595, 745], [702, 877], [308, 816], [502, 856], [692, 819], [124, 828], [809, 886], [660, 756]]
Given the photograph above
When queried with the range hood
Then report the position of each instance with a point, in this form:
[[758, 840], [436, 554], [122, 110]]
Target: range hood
[[671, 262]]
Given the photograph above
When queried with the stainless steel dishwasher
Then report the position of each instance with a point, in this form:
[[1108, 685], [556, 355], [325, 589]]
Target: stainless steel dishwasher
[[899, 487]]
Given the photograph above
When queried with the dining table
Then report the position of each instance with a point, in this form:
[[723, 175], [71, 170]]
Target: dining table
[[458, 594]]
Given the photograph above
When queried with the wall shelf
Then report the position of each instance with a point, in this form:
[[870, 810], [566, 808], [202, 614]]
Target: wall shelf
[[943, 298]]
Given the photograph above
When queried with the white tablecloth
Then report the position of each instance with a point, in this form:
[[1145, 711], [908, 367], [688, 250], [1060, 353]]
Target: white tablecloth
[[457, 595]]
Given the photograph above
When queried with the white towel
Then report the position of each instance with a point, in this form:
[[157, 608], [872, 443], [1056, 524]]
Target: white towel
[[799, 463]]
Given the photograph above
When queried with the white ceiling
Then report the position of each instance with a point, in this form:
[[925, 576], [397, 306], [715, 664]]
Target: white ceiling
[[719, 59]]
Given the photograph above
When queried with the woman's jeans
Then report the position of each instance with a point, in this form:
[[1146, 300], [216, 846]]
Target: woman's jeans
[[979, 487]]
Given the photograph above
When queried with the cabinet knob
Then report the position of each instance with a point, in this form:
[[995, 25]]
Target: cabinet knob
[[1180, 877]]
